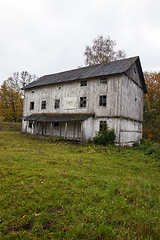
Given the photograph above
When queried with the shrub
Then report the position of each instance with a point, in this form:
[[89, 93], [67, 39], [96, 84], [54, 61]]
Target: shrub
[[59, 139], [149, 147], [105, 136], [136, 144], [154, 151]]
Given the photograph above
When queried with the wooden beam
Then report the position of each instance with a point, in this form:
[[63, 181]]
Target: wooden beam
[[81, 131], [65, 131], [51, 128], [60, 129], [74, 129]]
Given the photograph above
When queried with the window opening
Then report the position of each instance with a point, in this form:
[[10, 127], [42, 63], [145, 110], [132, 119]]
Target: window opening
[[83, 83], [57, 103], [56, 124], [83, 101], [102, 101], [43, 106], [31, 105], [102, 124], [103, 80], [30, 124]]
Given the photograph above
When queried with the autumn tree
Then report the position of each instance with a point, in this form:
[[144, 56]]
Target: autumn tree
[[11, 95], [102, 50], [151, 126], [11, 103]]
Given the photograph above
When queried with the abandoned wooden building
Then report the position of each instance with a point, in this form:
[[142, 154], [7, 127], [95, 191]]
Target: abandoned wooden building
[[74, 104]]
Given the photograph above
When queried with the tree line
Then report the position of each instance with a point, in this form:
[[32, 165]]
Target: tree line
[[102, 50], [11, 96]]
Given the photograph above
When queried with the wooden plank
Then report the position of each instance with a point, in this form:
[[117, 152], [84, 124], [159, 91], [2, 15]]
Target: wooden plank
[[65, 131]]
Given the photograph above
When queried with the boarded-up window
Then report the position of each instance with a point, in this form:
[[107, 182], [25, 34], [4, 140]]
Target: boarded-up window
[[57, 103], [43, 105], [102, 100], [83, 101]]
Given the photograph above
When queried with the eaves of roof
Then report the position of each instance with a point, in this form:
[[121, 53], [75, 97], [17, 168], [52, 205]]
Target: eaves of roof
[[104, 69], [58, 117]]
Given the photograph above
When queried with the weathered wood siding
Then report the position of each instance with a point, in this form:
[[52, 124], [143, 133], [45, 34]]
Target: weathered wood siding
[[124, 110], [131, 99], [72, 92]]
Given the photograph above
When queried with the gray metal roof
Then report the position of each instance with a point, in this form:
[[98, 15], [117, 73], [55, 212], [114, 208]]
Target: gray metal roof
[[57, 117], [104, 69]]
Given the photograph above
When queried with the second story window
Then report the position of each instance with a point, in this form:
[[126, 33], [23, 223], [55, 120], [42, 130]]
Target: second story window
[[83, 101], [43, 105], [31, 105], [102, 100], [103, 80], [83, 83], [57, 103]]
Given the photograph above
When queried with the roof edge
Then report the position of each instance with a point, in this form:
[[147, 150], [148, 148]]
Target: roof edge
[[43, 83]]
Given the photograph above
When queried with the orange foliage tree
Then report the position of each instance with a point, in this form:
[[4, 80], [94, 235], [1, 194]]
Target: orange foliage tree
[[11, 102], [151, 126]]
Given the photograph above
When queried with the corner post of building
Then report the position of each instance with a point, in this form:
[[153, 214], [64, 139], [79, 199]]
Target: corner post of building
[[119, 147]]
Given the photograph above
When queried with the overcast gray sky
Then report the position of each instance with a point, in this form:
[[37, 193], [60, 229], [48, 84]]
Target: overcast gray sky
[[48, 36]]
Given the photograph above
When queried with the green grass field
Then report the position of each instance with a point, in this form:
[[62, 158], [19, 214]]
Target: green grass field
[[58, 190]]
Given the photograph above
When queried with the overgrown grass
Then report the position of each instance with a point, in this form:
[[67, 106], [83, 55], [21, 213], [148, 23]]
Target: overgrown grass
[[59, 190]]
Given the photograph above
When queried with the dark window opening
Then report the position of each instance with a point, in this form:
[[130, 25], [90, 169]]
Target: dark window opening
[[103, 80], [83, 83], [31, 105], [102, 125], [57, 103], [56, 124], [83, 101], [43, 106], [30, 124], [102, 101]]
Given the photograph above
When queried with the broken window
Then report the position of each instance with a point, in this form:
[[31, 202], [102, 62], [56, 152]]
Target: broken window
[[103, 80], [30, 124], [83, 101], [83, 83], [43, 106], [31, 105], [57, 103], [102, 124], [102, 100]]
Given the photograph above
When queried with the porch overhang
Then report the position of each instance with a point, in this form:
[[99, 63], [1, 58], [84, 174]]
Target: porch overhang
[[58, 117]]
